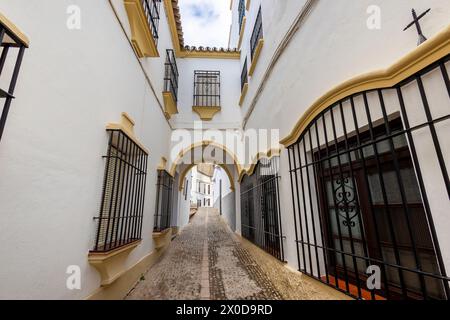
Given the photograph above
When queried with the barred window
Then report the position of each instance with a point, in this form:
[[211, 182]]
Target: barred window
[[12, 52], [171, 75], [244, 75], [241, 11], [152, 12], [122, 205], [260, 208], [207, 88], [358, 191], [163, 212], [257, 33]]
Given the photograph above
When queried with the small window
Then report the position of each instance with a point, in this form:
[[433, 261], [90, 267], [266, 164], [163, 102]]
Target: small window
[[257, 33], [122, 206], [241, 13], [163, 210], [186, 189], [244, 75], [171, 75], [152, 9], [207, 88]]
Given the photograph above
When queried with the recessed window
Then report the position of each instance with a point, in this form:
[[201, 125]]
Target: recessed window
[[207, 88], [244, 75], [152, 12], [163, 212], [171, 75], [122, 208], [170, 93], [241, 11], [144, 17], [257, 34], [186, 187]]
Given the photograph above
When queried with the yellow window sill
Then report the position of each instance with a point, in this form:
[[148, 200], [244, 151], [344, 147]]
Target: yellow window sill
[[206, 113], [243, 94], [241, 34], [141, 35], [162, 238], [111, 265], [170, 105], [256, 57]]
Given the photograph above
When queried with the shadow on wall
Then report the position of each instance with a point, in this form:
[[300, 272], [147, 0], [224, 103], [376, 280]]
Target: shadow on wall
[[228, 209]]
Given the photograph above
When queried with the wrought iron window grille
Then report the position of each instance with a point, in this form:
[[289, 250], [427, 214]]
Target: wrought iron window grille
[[171, 74], [257, 33], [241, 13], [207, 88], [244, 75], [152, 13], [164, 192], [358, 192], [122, 206]]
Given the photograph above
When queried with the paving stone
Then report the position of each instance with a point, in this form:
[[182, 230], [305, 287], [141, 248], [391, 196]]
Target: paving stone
[[205, 262]]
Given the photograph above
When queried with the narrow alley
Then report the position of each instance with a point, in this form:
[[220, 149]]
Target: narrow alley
[[206, 261]]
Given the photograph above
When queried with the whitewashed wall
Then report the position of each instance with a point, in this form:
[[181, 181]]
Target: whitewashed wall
[[184, 203], [228, 197], [229, 116], [72, 83], [331, 46]]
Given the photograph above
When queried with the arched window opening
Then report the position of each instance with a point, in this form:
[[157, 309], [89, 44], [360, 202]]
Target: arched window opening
[[358, 190]]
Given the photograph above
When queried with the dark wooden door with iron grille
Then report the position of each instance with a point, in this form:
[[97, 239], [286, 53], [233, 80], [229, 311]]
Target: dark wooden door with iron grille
[[356, 213]]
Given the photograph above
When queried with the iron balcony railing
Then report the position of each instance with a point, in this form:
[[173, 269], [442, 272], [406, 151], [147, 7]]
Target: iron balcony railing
[[241, 13], [244, 75], [207, 88], [359, 195], [257, 33], [9, 42], [152, 13], [163, 211], [171, 74], [122, 206]]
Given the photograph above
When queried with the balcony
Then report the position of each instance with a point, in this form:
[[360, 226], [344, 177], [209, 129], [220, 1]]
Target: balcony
[[144, 16], [206, 94], [170, 93]]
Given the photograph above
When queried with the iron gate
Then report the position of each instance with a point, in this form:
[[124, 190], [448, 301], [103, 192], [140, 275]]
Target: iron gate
[[260, 208]]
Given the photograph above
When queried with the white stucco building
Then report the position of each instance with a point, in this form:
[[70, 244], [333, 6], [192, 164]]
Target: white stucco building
[[202, 191], [102, 127]]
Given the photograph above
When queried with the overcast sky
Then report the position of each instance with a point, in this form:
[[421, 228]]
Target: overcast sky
[[206, 22]]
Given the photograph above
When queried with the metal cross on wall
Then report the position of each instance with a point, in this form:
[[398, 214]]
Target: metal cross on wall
[[416, 22]]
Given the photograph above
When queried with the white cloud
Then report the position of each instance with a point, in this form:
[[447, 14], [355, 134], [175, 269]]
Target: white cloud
[[206, 22]]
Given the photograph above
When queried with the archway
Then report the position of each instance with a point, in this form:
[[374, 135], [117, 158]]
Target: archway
[[223, 181]]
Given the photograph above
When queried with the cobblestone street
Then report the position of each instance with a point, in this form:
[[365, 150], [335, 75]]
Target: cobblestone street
[[206, 261]]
